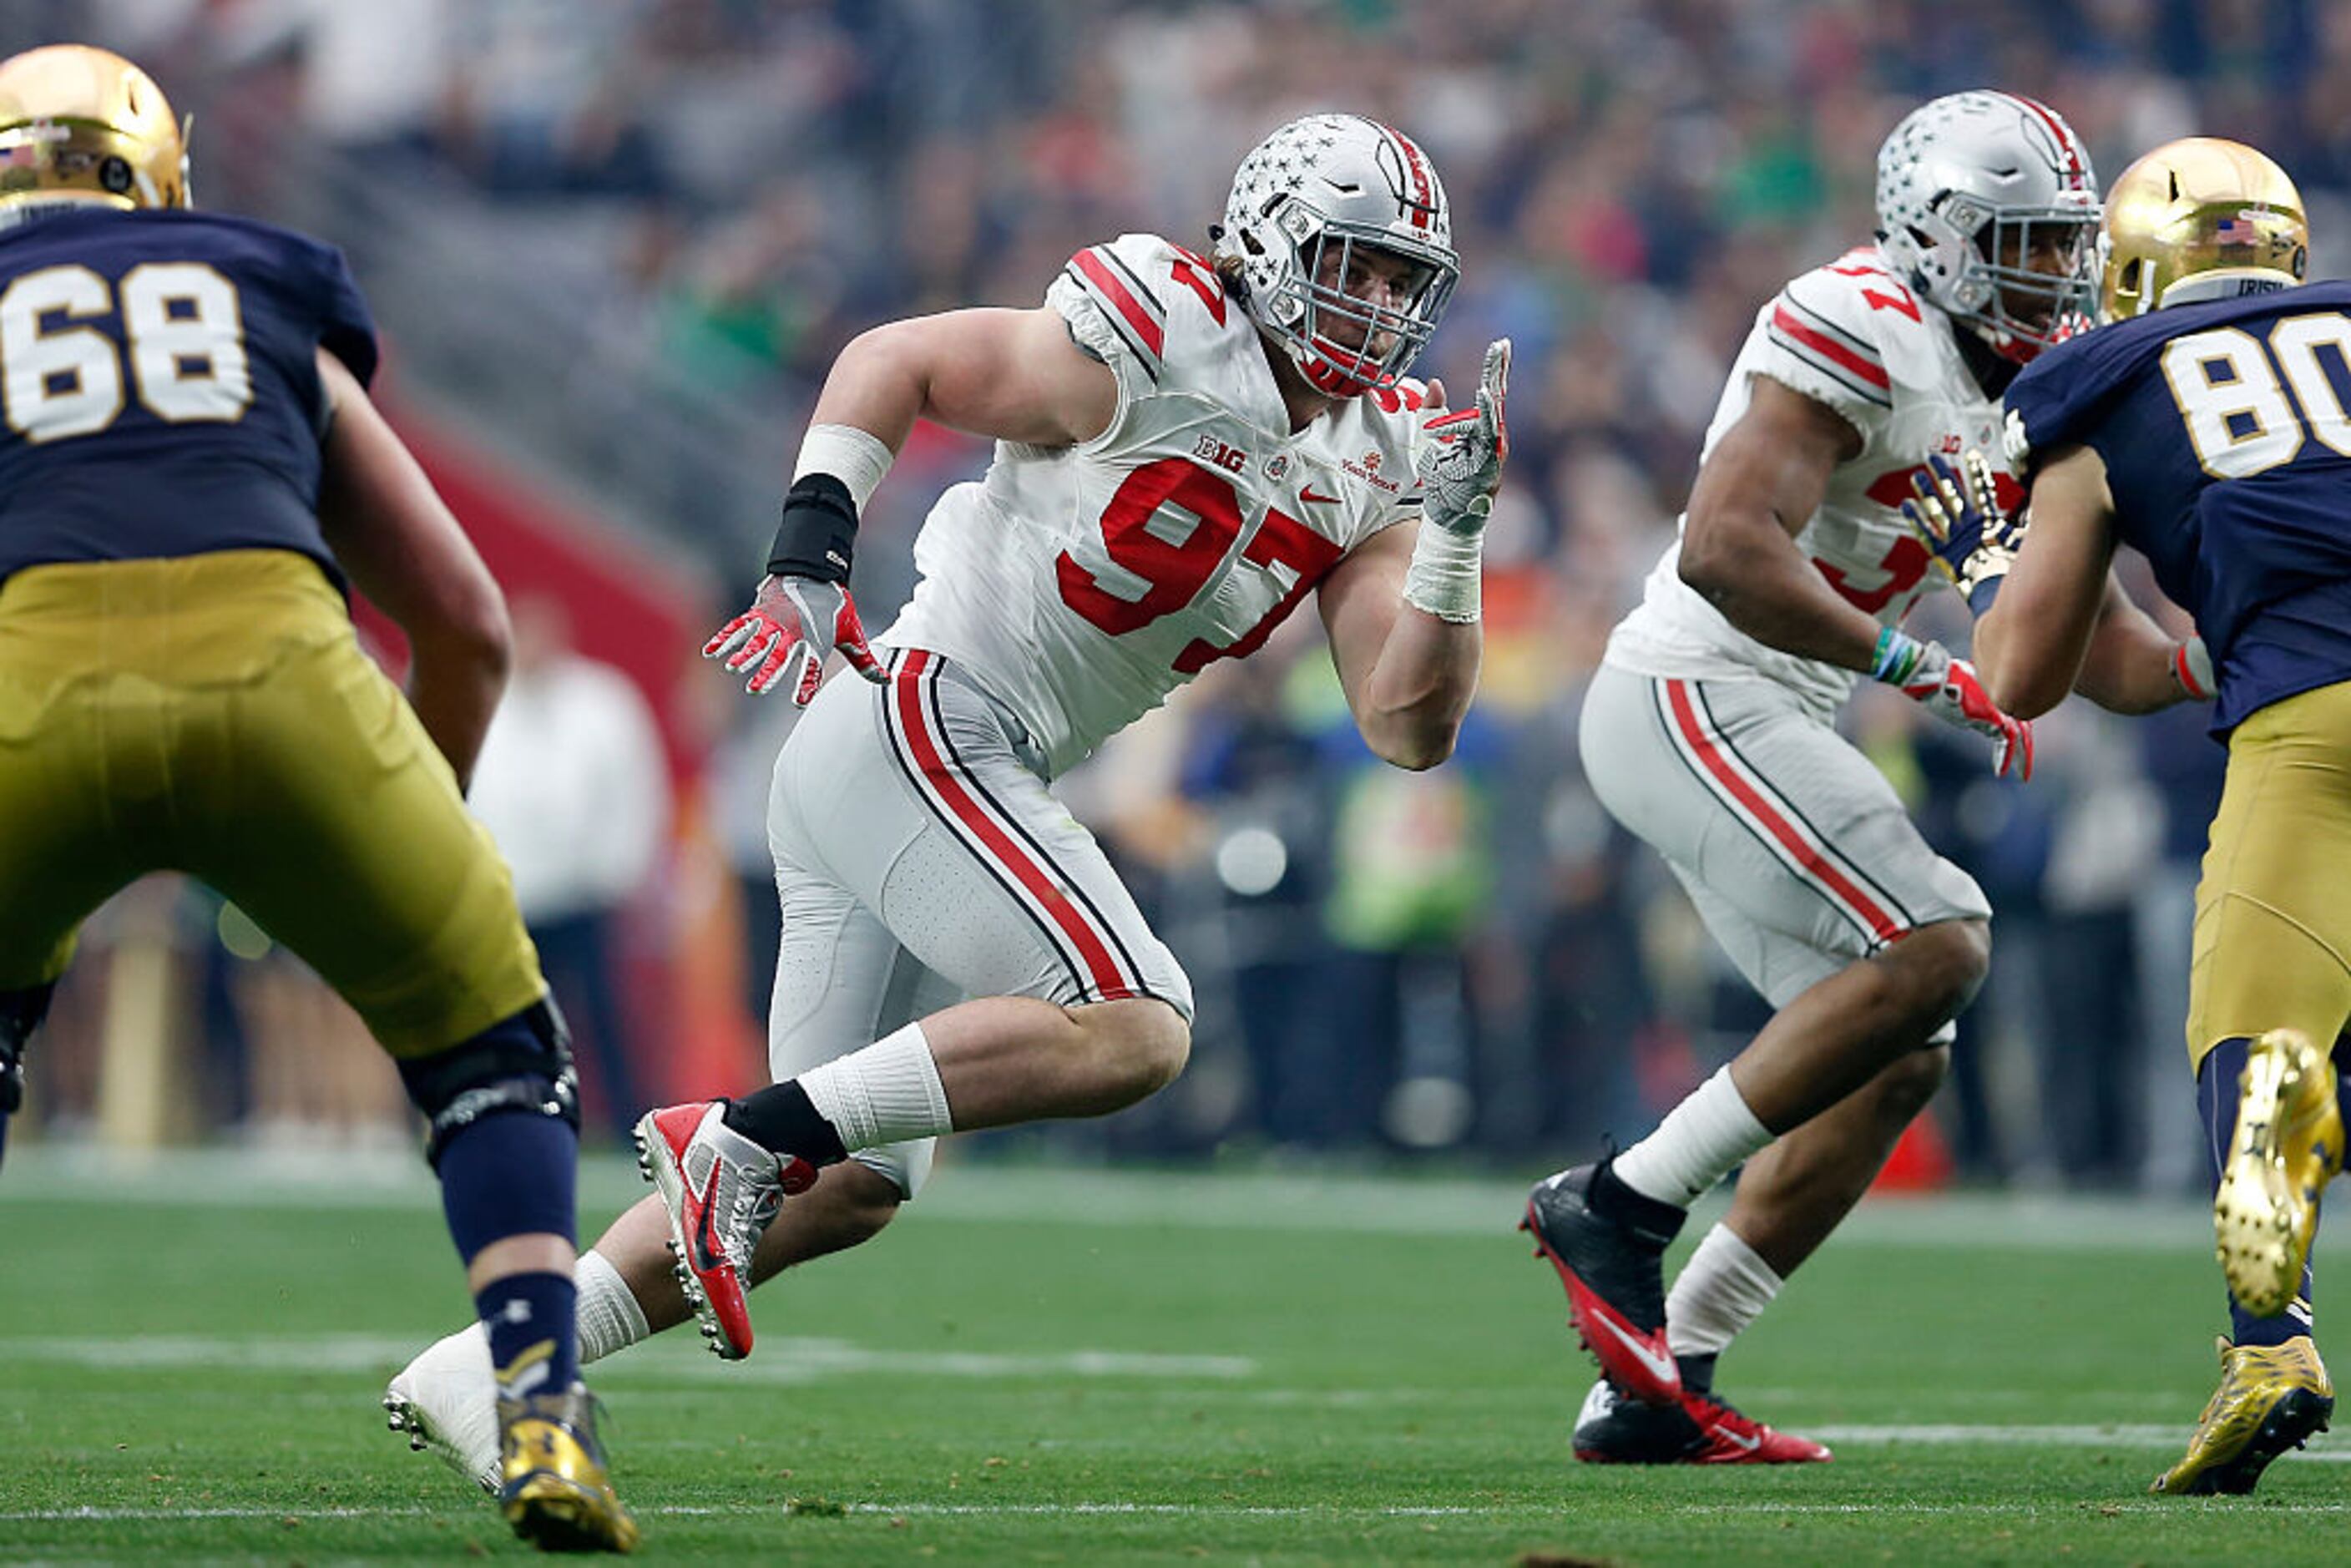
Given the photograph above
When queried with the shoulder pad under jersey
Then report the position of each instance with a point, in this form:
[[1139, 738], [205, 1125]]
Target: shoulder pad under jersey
[[1849, 334], [1141, 305]]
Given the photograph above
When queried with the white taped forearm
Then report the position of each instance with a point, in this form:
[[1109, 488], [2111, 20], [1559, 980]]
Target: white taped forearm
[[1445, 571], [858, 458]]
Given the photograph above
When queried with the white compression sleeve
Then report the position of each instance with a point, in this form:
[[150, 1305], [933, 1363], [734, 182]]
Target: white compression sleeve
[[886, 1093], [1694, 1146], [1722, 1289], [858, 458], [610, 1318], [1447, 574]]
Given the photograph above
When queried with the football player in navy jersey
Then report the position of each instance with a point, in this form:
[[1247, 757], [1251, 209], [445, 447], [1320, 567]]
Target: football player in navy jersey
[[190, 473], [2207, 428]]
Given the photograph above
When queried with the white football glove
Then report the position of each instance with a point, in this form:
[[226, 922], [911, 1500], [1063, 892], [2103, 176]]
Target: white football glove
[[1462, 452]]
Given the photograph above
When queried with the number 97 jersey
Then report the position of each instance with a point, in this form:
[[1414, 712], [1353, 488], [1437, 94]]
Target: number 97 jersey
[[159, 376], [1082, 584]]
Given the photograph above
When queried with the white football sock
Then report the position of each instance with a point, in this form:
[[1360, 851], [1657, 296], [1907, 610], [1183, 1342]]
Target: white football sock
[[885, 1093], [1700, 1141], [1722, 1289], [609, 1317]]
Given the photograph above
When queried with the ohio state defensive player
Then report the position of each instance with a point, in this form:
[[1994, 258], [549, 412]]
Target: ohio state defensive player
[[1188, 446], [1707, 731]]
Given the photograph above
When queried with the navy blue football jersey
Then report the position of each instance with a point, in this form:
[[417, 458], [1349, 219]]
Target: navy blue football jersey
[[2227, 448], [160, 382]]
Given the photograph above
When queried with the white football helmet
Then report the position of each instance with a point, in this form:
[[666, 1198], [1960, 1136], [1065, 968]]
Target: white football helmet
[[1302, 200], [1971, 188]]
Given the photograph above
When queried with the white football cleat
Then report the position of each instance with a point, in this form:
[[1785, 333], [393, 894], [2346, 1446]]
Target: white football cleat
[[446, 1400]]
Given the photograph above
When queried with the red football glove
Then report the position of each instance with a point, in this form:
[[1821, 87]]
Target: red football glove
[[792, 624], [1949, 690]]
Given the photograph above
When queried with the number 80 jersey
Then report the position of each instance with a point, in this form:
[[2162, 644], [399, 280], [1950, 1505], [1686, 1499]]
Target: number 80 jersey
[[1082, 584], [159, 376], [1852, 336]]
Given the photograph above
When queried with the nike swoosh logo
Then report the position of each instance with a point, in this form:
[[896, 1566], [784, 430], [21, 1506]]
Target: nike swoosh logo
[[1306, 493], [1735, 1440], [707, 1256], [1661, 1367]]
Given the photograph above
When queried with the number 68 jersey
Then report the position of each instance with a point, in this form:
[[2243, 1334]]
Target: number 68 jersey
[[159, 373], [1852, 336], [1082, 584]]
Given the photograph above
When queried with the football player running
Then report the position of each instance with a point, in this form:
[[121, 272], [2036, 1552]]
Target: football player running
[[2206, 428], [1188, 446], [190, 469], [1708, 732]]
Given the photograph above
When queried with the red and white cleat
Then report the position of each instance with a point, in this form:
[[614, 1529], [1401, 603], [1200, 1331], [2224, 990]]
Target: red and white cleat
[[1614, 1275], [1733, 1438], [720, 1189], [1695, 1430]]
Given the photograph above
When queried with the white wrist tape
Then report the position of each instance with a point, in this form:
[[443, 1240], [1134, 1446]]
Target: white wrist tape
[[1446, 569], [857, 458]]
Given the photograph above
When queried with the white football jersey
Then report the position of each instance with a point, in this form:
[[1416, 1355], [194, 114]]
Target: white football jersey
[[1082, 584], [1854, 337]]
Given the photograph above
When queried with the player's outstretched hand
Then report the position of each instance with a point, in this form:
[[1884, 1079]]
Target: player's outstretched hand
[[1949, 689], [783, 639], [1462, 454], [1956, 510]]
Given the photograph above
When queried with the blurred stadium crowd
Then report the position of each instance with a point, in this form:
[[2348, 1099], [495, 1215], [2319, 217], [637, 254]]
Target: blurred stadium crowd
[[619, 243]]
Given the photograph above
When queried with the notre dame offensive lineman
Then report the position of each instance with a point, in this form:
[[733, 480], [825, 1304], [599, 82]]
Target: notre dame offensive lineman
[[189, 469]]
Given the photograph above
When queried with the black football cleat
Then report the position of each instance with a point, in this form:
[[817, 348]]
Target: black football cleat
[[1611, 1256]]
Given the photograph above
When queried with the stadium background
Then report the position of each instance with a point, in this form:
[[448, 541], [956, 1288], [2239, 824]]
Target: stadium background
[[612, 247]]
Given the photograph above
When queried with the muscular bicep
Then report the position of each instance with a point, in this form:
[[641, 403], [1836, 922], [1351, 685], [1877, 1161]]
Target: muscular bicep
[[1009, 375], [1773, 464]]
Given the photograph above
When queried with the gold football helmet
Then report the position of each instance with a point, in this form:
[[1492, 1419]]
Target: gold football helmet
[[2215, 210], [80, 124]]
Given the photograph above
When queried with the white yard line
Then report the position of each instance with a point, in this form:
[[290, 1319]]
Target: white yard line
[[44, 1175], [783, 1360], [1712, 1507]]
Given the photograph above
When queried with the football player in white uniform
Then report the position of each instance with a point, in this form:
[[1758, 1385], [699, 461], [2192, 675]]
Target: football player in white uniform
[[1707, 731], [1188, 446]]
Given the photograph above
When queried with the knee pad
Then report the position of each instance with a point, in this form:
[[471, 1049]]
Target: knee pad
[[521, 1064]]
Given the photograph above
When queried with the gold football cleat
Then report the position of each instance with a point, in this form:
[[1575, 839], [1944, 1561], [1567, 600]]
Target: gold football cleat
[[2288, 1142], [2271, 1398], [553, 1489]]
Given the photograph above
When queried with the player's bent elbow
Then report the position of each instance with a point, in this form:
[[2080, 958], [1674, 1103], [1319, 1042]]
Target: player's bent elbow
[[2021, 697], [1415, 743], [1715, 560], [1416, 753], [475, 635]]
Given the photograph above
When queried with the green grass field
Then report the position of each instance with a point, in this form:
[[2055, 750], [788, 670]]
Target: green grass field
[[1079, 1367]]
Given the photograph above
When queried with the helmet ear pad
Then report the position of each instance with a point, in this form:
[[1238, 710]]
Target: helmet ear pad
[[1304, 203]]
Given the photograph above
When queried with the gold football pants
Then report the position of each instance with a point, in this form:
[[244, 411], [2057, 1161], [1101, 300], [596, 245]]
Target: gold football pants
[[214, 714], [2273, 909]]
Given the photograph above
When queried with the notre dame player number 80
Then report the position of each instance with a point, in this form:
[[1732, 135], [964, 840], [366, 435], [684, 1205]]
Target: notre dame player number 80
[[182, 329], [2237, 411]]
